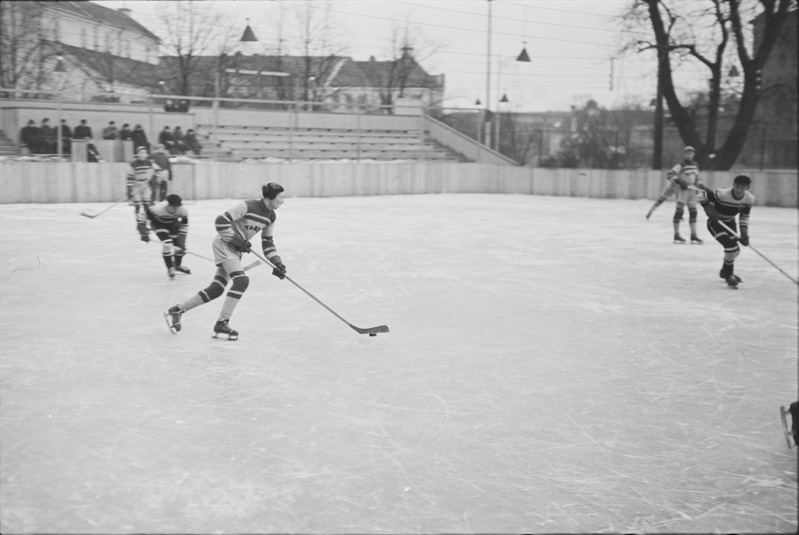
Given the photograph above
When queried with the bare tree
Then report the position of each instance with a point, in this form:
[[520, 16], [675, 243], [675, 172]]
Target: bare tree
[[407, 47], [320, 57], [24, 47], [687, 34], [190, 31]]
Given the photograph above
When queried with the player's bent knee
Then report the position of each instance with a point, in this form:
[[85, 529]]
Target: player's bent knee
[[692, 215], [678, 213], [240, 282]]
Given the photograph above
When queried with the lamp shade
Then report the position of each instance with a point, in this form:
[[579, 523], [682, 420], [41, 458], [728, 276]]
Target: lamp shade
[[523, 56], [477, 102], [59, 64], [504, 98], [248, 36]]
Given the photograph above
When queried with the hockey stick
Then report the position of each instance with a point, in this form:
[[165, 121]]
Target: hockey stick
[[738, 237], [246, 268], [371, 331], [123, 199]]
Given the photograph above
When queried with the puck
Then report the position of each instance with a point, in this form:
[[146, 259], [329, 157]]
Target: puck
[[372, 334]]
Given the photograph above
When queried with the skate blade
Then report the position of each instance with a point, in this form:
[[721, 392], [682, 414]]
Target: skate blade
[[230, 338], [784, 419], [167, 319]]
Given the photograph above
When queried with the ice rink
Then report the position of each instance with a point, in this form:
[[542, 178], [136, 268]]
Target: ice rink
[[555, 365]]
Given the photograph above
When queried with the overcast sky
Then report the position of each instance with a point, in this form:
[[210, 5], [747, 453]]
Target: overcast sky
[[570, 42]]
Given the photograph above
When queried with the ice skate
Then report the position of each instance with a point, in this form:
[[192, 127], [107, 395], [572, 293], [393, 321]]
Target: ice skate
[[171, 272], [733, 281], [678, 239], [182, 269], [222, 327], [172, 317], [695, 240]]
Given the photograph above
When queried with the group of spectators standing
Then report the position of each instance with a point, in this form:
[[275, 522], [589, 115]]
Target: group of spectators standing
[[43, 138]]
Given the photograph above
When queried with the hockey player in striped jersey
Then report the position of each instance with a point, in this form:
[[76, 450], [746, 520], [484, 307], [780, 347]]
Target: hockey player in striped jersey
[[723, 205], [169, 220], [681, 177], [235, 228], [142, 169]]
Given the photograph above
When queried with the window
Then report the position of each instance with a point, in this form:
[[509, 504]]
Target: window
[[57, 31], [96, 38], [83, 38]]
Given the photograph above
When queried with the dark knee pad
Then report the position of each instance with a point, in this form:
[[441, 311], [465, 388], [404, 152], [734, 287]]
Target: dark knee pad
[[678, 213], [213, 291], [692, 215], [240, 282]]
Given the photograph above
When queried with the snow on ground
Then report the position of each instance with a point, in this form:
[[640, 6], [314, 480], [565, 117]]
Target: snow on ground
[[554, 365]]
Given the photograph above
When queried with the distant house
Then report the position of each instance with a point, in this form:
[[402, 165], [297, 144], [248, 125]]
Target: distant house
[[103, 51], [335, 83]]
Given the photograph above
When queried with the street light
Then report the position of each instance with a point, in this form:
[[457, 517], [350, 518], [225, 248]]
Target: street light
[[248, 36], [523, 56]]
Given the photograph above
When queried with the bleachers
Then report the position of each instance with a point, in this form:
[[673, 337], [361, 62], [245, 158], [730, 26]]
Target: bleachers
[[243, 142]]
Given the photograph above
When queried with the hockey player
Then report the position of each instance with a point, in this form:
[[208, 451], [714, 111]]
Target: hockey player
[[159, 184], [234, 230], [722, 206], [141, 171], [682, 178], [169, 219]]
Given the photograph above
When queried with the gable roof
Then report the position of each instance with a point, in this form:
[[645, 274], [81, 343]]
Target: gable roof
[[85, 10], [115, 68]]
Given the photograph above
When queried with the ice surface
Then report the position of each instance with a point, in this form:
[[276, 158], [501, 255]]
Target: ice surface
[[554, 365]]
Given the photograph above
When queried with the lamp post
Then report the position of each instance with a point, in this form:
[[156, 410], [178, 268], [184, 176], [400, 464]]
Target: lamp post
[[504, 100], [61, 69]]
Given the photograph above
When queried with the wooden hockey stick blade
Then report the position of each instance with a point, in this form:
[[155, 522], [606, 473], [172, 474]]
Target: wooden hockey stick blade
[[371, 330]]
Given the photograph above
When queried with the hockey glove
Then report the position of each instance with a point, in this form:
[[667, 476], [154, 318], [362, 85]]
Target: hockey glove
[[280, 270], [145, 238], [711, 212], [744, 239], [241, 244]]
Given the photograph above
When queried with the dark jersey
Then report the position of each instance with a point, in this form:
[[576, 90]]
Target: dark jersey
[[728, 206], [160, 217]]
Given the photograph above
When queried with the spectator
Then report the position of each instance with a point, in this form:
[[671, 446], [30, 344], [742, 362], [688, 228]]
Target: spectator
[[183, 107], [48, 135], [66, 137], [170, 106], [30, 136], [110, 131], [180, 140], [92, 154], [140, 138], [126, 133], [191, 142], [166, 139], [83, 131]]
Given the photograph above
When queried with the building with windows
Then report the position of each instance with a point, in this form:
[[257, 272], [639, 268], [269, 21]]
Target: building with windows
[[83, 50]]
